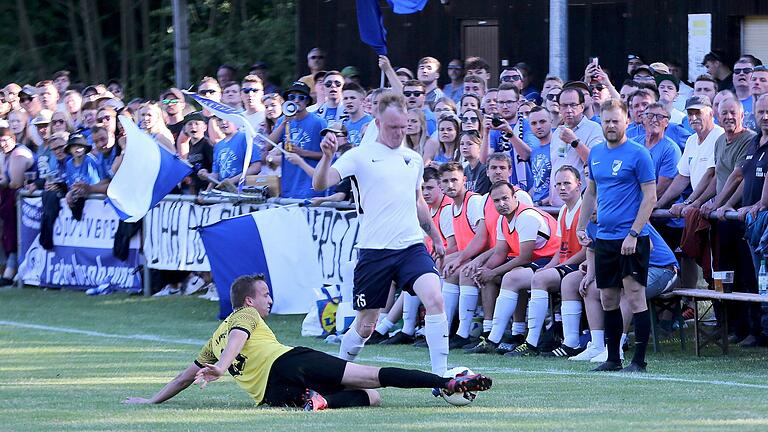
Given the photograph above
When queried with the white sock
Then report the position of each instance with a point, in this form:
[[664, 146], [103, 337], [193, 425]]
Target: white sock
[[571, 310], [436, 332], [384, 326], [598, 339], [537, 312], [518, 328], [410, 313], [505, 307], [487, 325], [467, 306], [451, 300], [351, 344], [623, 340]]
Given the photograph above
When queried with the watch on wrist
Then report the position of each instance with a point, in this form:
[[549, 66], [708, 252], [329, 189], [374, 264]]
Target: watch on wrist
[[575, 143], [633, 233]]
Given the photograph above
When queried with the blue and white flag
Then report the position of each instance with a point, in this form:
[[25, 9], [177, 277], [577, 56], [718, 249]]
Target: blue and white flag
[[147, 174], [235, 116], [370, 24], [276, 242], [405, 7]]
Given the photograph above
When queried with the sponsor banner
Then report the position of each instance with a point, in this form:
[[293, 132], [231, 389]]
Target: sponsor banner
[[82, 257]]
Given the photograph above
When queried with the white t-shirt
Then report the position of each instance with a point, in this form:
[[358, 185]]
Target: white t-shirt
[[589, 133], [256, 119], [474, 211], [385, 182], [568, 215], [698, 157], [529, 225]]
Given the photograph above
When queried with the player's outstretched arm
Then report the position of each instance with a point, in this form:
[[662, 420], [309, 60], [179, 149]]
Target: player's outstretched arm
[[211, 372], [181, 382]]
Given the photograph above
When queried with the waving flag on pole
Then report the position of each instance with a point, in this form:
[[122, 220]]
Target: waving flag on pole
[[371, 25], [148, 172], [230, 114], [276, 242], [405, 7]]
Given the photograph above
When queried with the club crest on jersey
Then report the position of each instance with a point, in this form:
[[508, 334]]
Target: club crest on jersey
[[616, 166], [407, 160]]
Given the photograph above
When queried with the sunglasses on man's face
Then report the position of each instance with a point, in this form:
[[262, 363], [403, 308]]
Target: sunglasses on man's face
[[329, 84], [171, 101], [552, 97], [743, 71], [251, 90], [413, 93], [206, 91], [297, 97], [510, 78]]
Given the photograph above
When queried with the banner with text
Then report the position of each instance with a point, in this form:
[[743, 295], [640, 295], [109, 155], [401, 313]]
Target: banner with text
[[172, 242], [82, 257]]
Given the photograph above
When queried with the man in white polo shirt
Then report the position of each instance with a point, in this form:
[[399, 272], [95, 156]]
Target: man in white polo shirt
[[386, 180]]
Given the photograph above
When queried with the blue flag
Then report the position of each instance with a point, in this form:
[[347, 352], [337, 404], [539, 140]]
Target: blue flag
[[405, 7], [371, 25], [276, 242], [147, 174]]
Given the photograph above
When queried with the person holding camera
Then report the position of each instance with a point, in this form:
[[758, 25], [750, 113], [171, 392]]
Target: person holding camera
[[299, 131], [507, 132], [571, 142]]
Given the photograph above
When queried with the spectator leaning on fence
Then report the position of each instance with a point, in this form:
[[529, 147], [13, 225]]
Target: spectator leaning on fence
[[18, 161]]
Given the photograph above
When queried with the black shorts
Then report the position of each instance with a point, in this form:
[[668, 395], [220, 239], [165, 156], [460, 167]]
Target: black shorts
[[611, 266], [377, 268], [539, 263], [565, 269], [300, 369]]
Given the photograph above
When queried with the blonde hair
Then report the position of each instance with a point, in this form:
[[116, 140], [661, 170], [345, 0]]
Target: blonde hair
[[416, 144]]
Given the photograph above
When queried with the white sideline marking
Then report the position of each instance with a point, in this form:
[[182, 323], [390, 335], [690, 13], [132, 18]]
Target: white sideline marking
[[396, 361]]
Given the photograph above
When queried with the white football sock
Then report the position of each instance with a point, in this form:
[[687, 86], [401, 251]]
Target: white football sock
[[436, 332], [451, 300], [384, 326], [467, 306], [505, 307], [518, 328], [598, 339], [571, 310], [410, 313], [351, 344], [487, 325], [537, 312]]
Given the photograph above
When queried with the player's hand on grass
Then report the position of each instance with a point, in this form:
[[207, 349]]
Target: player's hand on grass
[[136, 401], [210, 372]]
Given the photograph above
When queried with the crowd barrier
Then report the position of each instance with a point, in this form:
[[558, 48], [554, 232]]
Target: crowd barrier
[[83, 257]]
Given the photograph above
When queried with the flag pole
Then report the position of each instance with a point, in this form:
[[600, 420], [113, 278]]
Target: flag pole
[[381, 80]]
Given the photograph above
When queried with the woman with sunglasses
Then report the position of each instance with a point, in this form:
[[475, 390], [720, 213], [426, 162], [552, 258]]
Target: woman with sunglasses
[[471, 120], [446, 149], [60, 122]]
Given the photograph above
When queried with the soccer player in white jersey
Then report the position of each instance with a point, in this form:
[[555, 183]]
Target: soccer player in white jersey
[[386, 178]]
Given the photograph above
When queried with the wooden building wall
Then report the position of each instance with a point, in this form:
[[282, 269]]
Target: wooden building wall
[[657, 29]]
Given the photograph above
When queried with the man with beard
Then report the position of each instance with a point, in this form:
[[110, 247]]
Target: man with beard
[[622, 186]]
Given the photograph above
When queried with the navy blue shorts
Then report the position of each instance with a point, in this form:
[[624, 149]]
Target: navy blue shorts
[[377, 268]]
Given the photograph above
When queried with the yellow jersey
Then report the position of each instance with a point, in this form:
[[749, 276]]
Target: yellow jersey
[[251, 367]]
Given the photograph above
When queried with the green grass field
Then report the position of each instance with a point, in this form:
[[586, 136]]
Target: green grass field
[[67, 360]]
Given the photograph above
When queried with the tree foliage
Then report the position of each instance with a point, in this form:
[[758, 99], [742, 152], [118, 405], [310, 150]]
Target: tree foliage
[[132, 40]]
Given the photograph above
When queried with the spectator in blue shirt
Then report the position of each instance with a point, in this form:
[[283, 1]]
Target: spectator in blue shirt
[[229, 156], [415, 97], [357, 119], [455, 88], [541, 164]]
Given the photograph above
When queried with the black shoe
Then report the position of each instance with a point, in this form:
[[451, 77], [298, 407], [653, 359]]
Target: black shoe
[[5, 281], [513, 339], [473, 341], [505, 347], [399, 338], [563, 351], [608, 366], [523, 350], [376, 338], [457, 342], [484, 346], [421, 343], [635, 368]]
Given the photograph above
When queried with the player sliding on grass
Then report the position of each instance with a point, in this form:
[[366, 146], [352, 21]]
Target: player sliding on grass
[[278, 375]]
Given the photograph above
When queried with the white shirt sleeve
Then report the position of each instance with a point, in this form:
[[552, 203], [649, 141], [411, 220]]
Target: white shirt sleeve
[[524, 197], [347, 163], [446, 221], [475, 209], [499, 233], [560, 217], [527, 225]]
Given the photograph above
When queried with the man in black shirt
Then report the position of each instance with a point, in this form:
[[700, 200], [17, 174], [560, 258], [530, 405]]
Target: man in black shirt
[[172, 102], [200, 154], [475, 171]]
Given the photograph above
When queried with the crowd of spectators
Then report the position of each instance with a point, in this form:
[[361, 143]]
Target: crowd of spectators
[[706, 140]]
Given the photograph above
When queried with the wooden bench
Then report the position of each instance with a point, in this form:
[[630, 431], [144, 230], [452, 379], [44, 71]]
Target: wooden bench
[[704, 331]]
